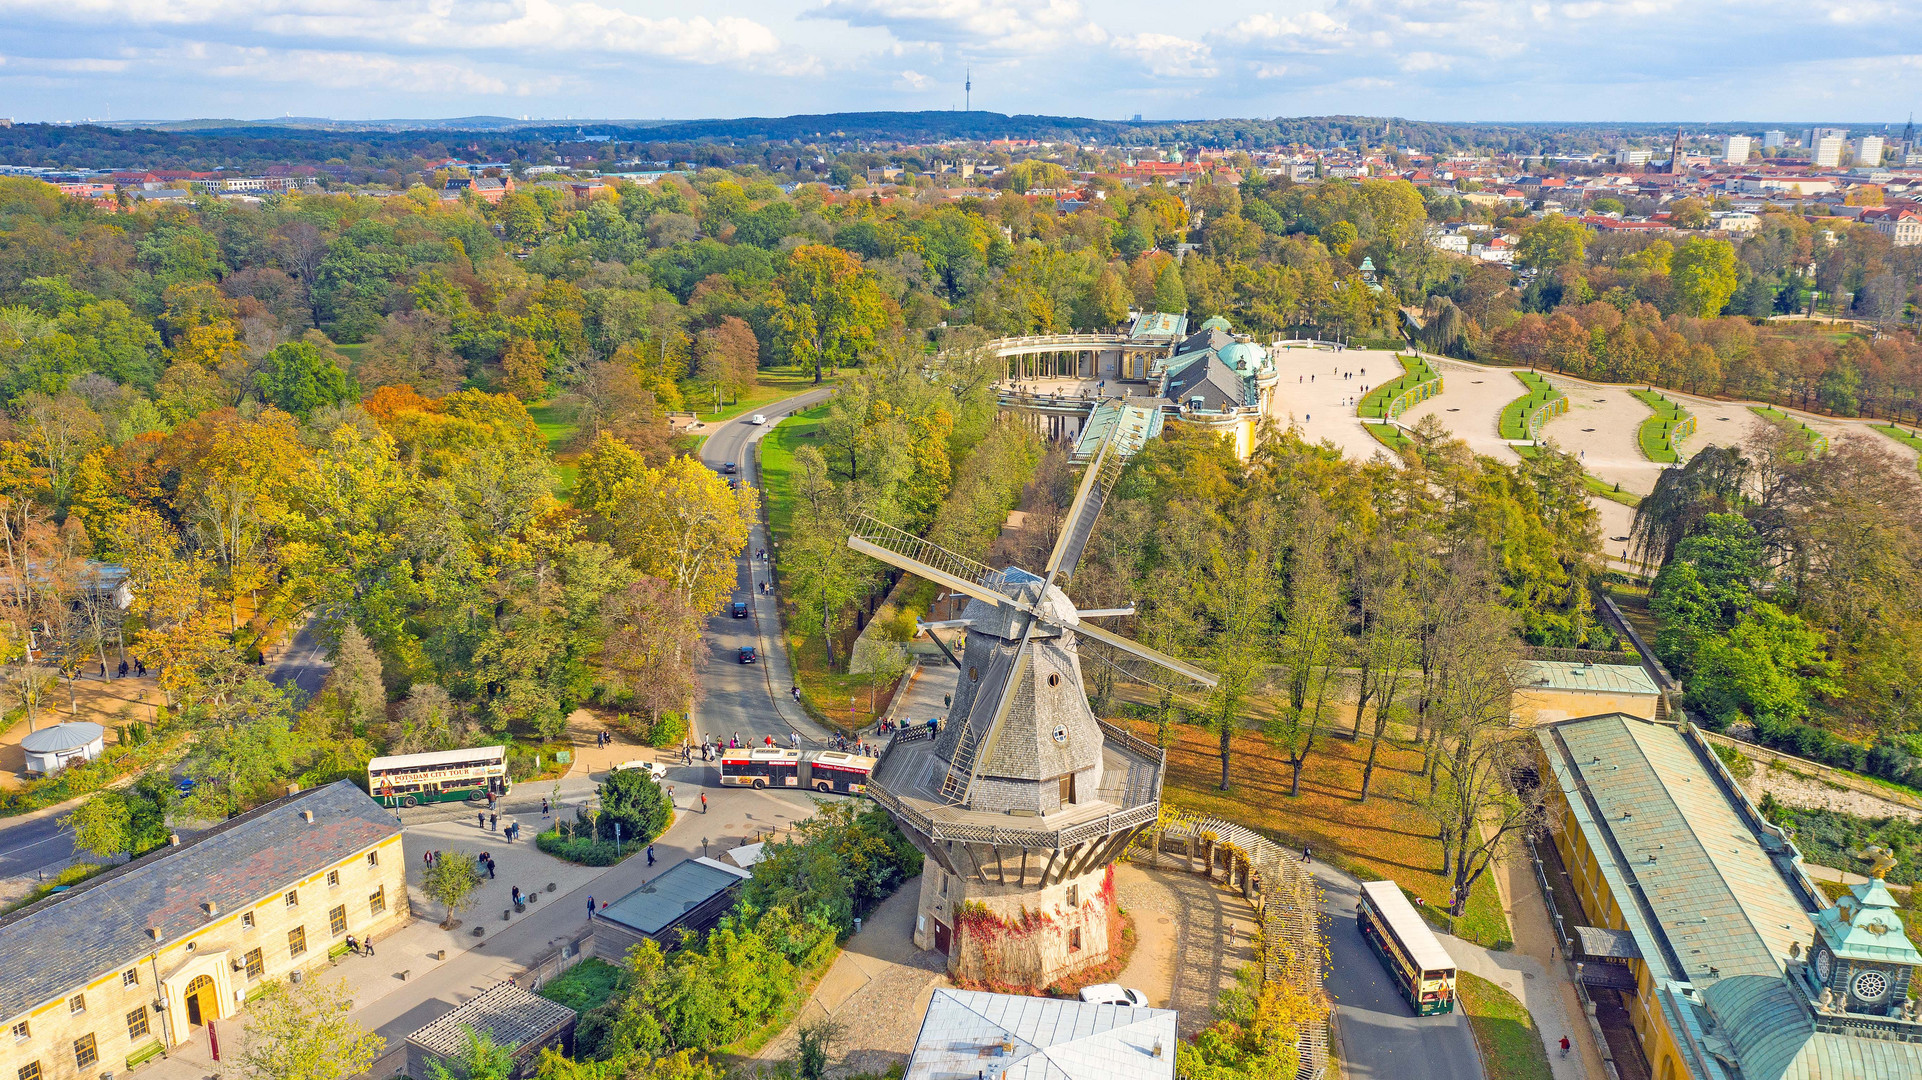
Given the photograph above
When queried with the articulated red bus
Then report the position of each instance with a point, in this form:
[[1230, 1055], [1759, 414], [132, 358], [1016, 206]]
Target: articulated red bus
[[775, 766]]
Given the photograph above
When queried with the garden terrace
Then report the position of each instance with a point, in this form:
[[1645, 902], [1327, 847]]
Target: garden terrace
[[1524, 417], [1669, 425]]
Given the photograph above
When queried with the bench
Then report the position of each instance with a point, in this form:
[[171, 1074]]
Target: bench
[[145, 1054], [337, 950]]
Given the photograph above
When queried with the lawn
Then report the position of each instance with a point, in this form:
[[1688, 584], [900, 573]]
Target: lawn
[[1904, 436], [1505, 1034], [1611, 492], [1389, 836], [558, 426], [769, 387], [1661, 430], [1816, 440], [1518, 415], [1390, 436], [1415, 371], [777, 464]]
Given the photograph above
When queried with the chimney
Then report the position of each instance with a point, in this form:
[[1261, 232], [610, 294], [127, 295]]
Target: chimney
[[210, 908], [307, 816], [293, 789], [153, 932], [173, 839]]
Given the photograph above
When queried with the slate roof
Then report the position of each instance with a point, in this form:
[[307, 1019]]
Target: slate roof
[[1053, 1039], [685, 886], [102, 924], [1601, 678], [1208, 377], [513, 1016], [1025, 748]]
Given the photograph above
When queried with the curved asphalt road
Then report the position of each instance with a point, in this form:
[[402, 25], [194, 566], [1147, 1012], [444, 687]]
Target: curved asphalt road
[[1381, 1037], [751, 699]]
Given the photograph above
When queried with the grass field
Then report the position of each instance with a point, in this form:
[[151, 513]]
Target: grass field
[[1657, 435], [777, 464], [1504, 1032], [1904, 436], [1390, 436], [1415, 371], [1611, 492], [1517, 413], [1817, 441], [769, 387], [1389, 836], [586, 985], [557, 425]]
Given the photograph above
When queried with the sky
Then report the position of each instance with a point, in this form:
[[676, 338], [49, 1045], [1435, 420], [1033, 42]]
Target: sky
[[1630, 60]]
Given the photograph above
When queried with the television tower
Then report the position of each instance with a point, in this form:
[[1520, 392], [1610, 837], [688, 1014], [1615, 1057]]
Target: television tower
[[967, 90]]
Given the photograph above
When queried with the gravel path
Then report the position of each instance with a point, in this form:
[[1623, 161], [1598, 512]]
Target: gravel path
[[1192, 936], [1313, 395], [1470, 405]]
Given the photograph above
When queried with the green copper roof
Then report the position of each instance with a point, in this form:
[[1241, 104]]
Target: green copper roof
[[1601, 678], [1864, 926], [1774, 1037]]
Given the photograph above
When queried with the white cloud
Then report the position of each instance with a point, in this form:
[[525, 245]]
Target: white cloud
[[1167, 55], [914, 80], [343, 70], [982, 27]]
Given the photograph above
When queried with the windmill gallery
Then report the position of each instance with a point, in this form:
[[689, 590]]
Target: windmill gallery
[[1023, 799]]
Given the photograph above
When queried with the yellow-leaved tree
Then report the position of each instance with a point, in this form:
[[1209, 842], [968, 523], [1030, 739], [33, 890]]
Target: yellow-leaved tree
[[680, 523]]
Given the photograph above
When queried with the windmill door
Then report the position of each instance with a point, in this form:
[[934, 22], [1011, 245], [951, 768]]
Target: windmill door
[[943, 937]]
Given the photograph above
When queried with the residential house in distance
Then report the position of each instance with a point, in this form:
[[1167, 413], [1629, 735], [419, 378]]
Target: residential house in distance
[[1729, 963], [1902, 225], [122, 966]]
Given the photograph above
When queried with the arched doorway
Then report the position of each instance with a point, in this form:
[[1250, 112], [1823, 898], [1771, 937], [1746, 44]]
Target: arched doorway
[[202, 1003]]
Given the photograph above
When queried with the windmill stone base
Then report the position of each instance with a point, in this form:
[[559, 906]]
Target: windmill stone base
[[1014, 937]]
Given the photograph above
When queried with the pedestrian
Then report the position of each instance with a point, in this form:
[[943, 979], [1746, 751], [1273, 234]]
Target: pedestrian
[[490, 868], [352, 945], [544, 807], [480, 820], [670, 796], [650, 854], [703, 802], [515, 894], [1306, 854], [494, 822], [123, 669], [427, 858], [794, 739], [490, 800], [590, 907], [367, 947]]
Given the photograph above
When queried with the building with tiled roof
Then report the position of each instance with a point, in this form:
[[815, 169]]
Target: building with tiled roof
[[1554, 690], [1731, 963], [970, 1034], [113, 971]]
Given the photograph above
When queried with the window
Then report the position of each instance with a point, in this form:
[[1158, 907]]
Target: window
[[30, 1071], [292, 899], [337, 920], [373, 858], [21, 1032], [85, 1053], [247, 920], [255, 964], [76, 1004], [377, 901], [296, 941], [1074, 940], [333, 878], [1074, 896], [137, 1023], [130, 977]]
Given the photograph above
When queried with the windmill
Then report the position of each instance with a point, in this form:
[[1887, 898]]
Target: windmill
[[1023, 798]]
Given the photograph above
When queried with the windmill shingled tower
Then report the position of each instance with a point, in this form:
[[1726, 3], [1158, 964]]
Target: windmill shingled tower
[[1023, 799]]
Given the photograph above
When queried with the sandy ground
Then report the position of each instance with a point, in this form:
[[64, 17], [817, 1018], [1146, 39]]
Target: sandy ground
[[1470, 404], [108, 703], [1314, 395], [1601, 426]]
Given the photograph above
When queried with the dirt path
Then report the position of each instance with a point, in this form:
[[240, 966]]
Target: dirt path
[[108, 702], [1601, 427], [1191, 938]]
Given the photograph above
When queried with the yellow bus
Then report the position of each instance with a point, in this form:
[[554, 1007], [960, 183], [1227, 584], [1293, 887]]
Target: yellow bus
[[1421, 968], [438, 776]]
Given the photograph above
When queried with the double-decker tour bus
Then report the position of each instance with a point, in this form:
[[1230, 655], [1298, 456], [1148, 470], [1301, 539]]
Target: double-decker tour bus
[[438, 776], [778, 766], [1419, 965]]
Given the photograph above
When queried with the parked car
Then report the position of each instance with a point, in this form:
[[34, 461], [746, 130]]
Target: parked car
[[747, 654], [654, 769], [740, 609], [729, 468], [757, 418], [1114, 994]]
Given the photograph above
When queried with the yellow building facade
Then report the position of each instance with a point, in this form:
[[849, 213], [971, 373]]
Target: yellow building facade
[[98, 979]]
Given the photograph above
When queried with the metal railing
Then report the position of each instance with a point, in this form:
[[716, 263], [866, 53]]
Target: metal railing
[[909, 546], [938, 828]]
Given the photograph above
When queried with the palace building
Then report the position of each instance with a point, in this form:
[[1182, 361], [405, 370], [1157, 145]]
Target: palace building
[[1728, 960], [112, 972]]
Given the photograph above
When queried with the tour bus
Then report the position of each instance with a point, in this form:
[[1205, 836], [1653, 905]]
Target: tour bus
[[778, 766], [1419, 965], [439, 776]]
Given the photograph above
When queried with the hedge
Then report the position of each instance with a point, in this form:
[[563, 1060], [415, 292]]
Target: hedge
[[1669, 425], [1523, 417]]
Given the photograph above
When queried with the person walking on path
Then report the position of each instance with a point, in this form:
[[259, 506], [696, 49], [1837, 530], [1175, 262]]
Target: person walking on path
[[480, 820], [590, 908], [493, 823], [650, 854], [703, 802]]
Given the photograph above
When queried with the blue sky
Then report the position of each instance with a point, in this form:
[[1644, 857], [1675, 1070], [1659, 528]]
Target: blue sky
[[1701, 60]]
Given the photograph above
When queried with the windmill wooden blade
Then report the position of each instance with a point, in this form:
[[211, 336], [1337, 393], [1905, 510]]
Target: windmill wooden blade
[[1179, 667], [1096, 484], [898, 547], [968, 758]]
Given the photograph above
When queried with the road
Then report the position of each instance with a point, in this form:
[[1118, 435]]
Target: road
[[750, 699], [1381, 1037], [33, 842]]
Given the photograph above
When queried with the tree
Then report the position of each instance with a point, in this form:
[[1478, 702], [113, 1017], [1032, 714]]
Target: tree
[[428, 720], [480, 1059], [302, 1031], [450, 882], [1550, 244], [524, 370], [816, 1041], [1312, 644], [356, 678], [132, 821], [649, 651], [1767, 668], [830, 311], [1389, 642], [635, 802], [1105, 303], [300, 378], [1688, 212], [730, 356], [1171, 296], [1702, 273], [682, 524]]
